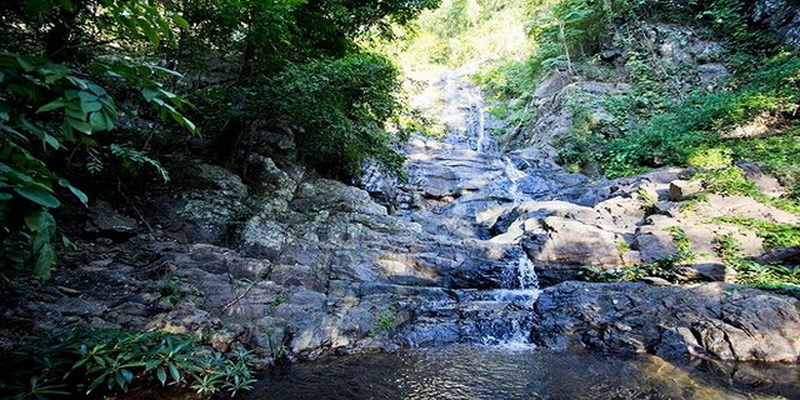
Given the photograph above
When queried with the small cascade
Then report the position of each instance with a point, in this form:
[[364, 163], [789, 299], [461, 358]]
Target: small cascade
[[513, 330], [481, 125], [514, 175], [526, 273]]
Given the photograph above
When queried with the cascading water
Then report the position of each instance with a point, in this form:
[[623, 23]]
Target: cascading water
[[528, 280], [514, 175], [497, 317], [481, 124]]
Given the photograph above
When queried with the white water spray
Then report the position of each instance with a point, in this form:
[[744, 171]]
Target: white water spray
[[481, 124], [526, 273], [514, 175]]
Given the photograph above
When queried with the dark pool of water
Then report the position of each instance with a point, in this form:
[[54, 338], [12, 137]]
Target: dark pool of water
[[475, 372]]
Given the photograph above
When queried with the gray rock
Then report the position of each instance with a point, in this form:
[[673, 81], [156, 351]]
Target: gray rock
[[709, 272], [207, 212], [573, 243], [765, 182], [714, 320], [783, 16], [105, 221], [711, 73], [680, 190]]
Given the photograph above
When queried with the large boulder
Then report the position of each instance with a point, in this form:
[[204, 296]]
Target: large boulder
[[208, 209], [713, 320]]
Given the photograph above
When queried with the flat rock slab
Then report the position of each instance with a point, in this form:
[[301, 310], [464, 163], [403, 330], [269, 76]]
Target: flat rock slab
[[714, 320]]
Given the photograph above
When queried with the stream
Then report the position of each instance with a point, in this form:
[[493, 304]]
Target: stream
[[485, 372]]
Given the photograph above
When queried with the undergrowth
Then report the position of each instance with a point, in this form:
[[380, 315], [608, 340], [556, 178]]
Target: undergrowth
[[664, 267], [773, 277], [85, 361], [774, 234]]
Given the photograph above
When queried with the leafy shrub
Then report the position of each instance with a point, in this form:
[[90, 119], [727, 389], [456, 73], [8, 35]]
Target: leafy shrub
[[687, 131], [85, 361], [774, 277], [47, 109], [341, 106]]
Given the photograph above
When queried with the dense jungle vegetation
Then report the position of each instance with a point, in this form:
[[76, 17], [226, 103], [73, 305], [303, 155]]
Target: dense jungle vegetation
[[98, 90], [94, 93]]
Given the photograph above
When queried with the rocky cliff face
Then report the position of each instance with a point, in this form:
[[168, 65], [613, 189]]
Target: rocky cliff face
[[782, 16]]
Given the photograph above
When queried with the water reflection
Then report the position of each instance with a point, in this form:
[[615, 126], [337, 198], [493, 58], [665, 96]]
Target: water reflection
[[474, 372]]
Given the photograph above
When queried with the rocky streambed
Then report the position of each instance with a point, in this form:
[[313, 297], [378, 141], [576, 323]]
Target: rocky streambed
[[480, 247]]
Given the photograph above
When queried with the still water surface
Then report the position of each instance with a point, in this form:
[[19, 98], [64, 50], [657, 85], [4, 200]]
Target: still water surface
[[477, 372]]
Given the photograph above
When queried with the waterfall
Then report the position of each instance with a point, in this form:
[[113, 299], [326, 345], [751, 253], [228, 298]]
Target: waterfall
[[526, 273], [514, 175], [481, 124]]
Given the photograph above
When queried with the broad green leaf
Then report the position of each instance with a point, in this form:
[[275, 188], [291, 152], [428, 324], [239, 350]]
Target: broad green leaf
[[166, 72], [98, 121], [91, 106], [44, 261], [80, 126], [120, 380], [67, 243], [173, 371], [181, 22], [71, 94], [77, 192], [38, 196], [87, 97], [150, 94], [150, 32], [76, 114], [24, 63], [6, 196], [52, 141], [127, 375], [97, 89], [161, 374], [54, 105], [41, 221], [4, 114], [81, 83]]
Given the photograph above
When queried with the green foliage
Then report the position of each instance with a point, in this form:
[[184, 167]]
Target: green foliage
[[85, 361], [565, 30], [686, 131], [660, 269], [731, 181], [727, 181], [774, 277], [776, 153], [385, 322], [342, 105], [47, 109], [462, 32], [774, 234], [298, 65], [682, 244]]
